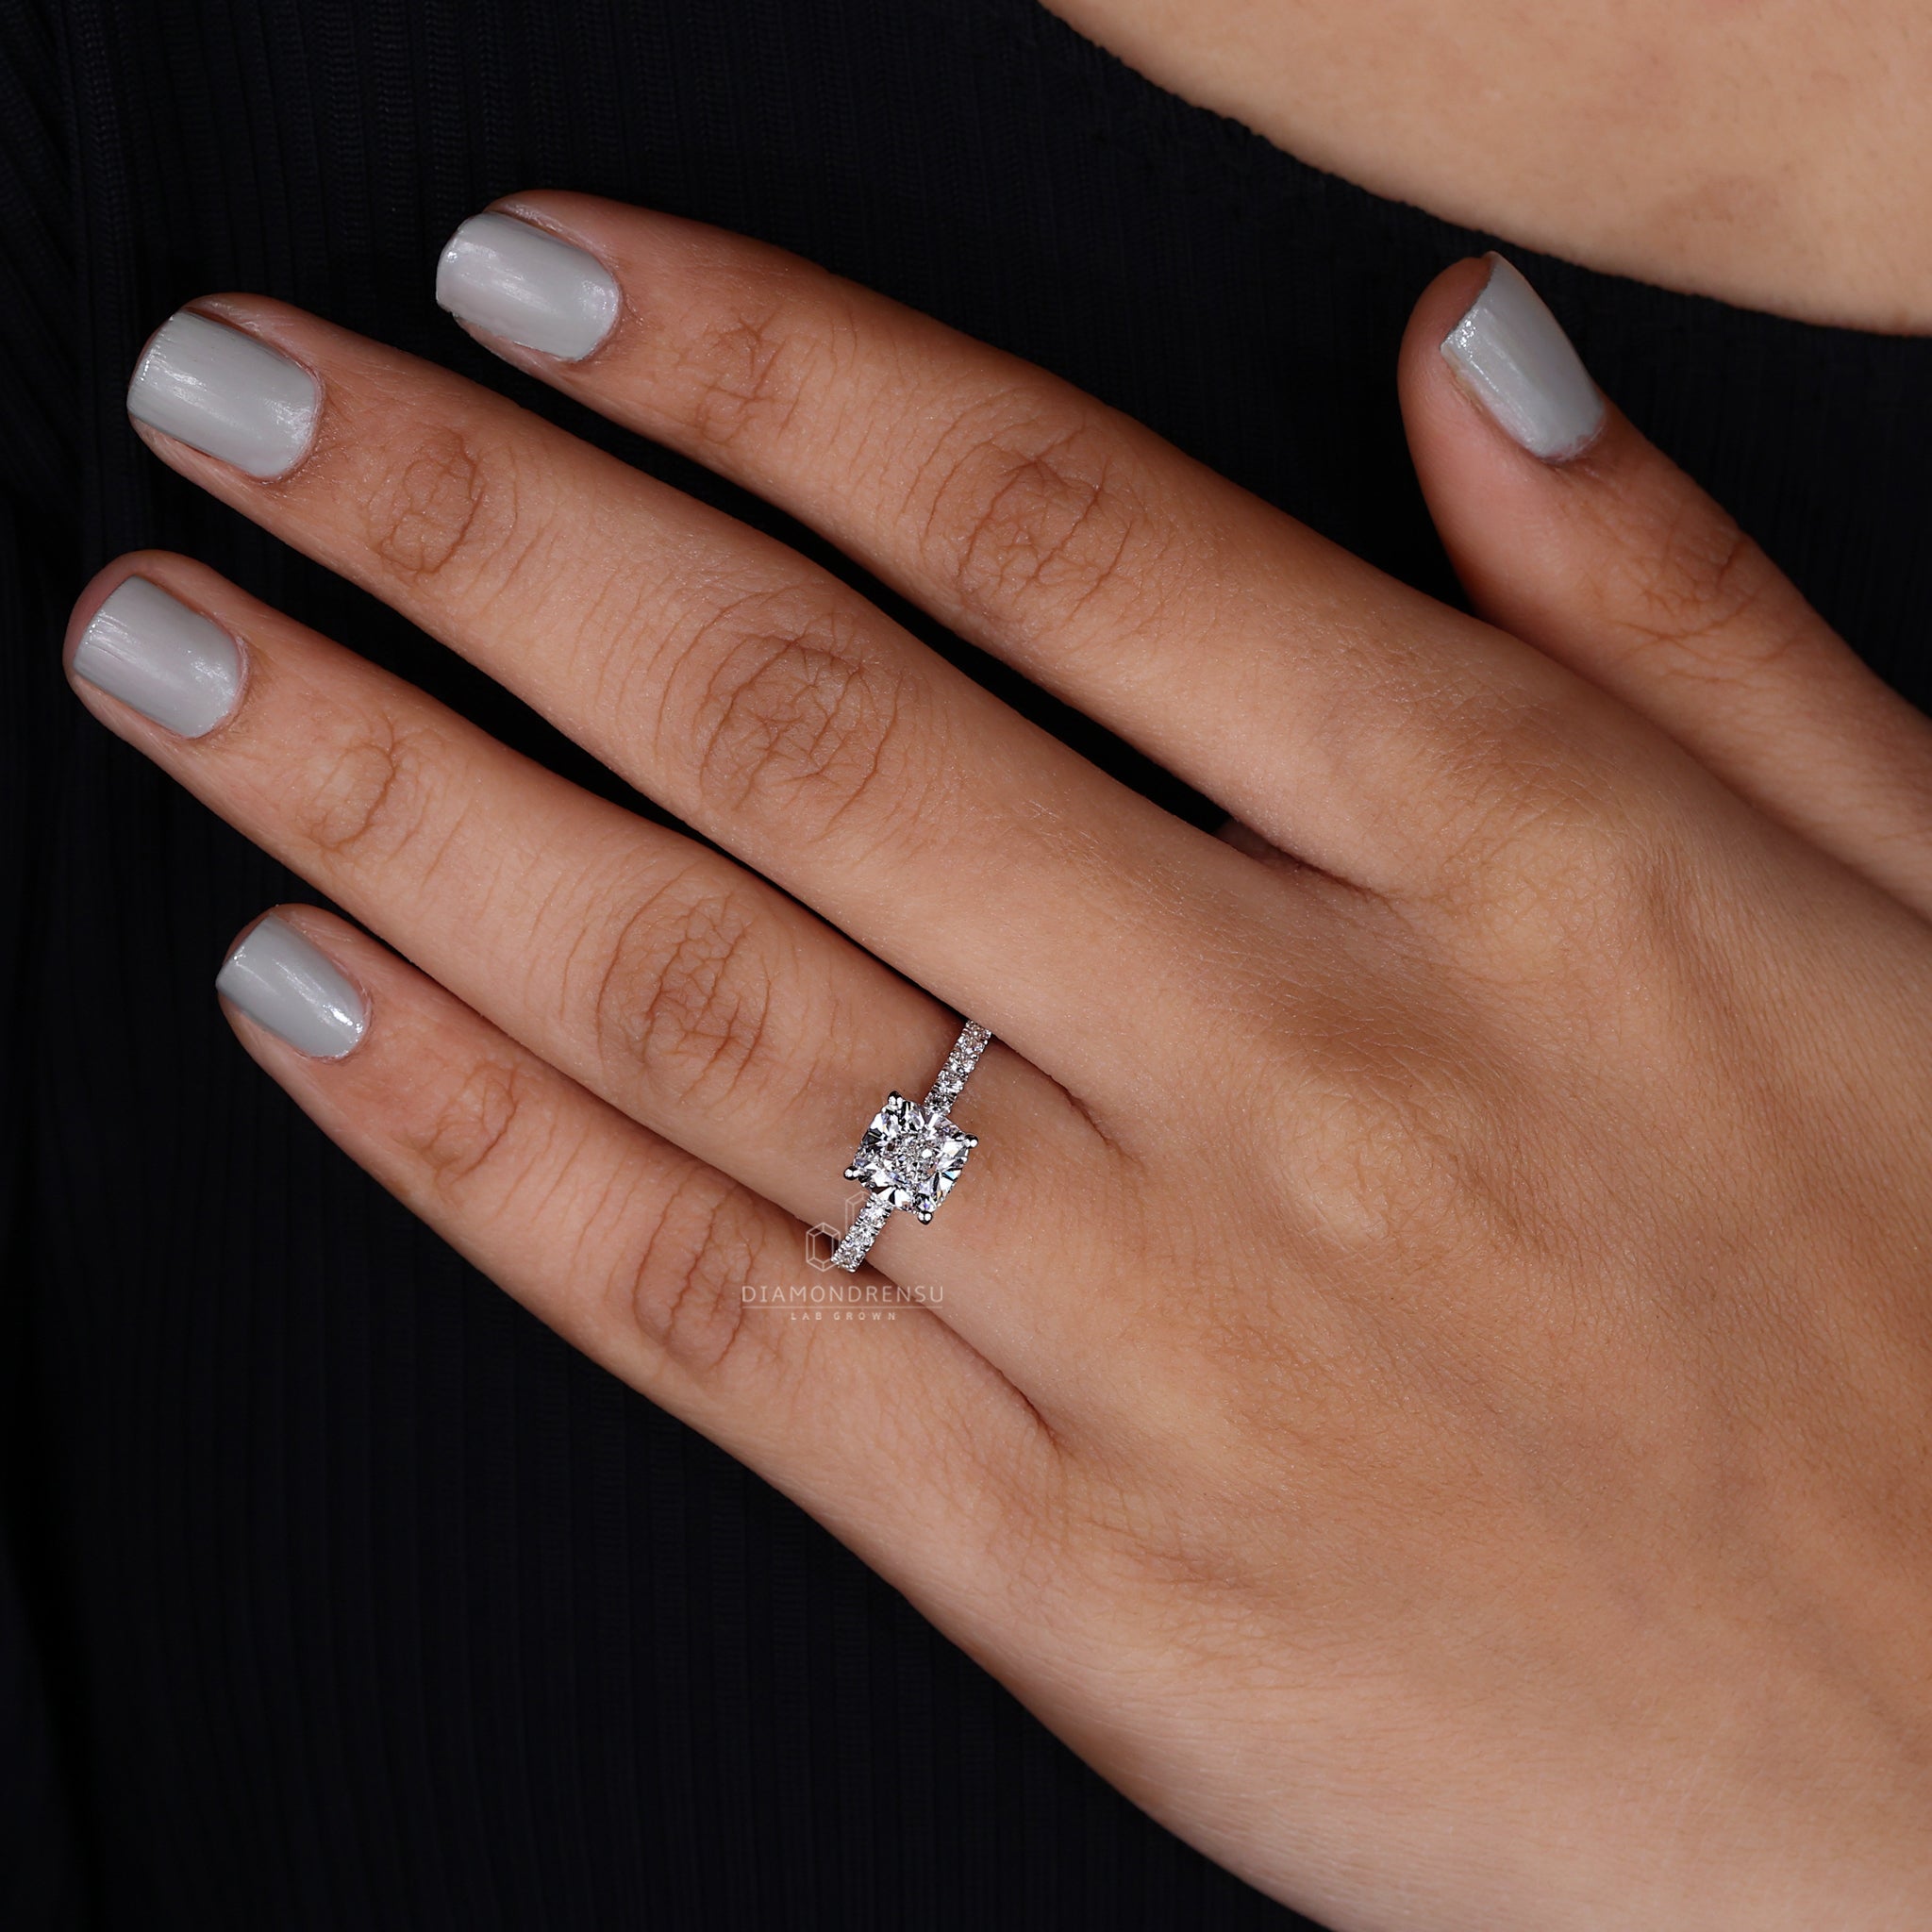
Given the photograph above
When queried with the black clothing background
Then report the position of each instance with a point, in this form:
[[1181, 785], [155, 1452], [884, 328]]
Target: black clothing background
[[335, 1592]]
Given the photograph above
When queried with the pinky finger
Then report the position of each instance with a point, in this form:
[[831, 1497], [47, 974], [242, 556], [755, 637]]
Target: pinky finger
[[641, 1255]]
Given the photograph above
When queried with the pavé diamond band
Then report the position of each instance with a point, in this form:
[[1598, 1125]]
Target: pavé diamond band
[[912, 1153]]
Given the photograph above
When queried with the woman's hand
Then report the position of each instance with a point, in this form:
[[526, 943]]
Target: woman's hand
[[1773, 154], [1427, 1382]]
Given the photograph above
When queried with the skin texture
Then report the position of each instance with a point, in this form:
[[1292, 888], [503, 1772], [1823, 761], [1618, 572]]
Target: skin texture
[[1771, 152], [1433, 1389]]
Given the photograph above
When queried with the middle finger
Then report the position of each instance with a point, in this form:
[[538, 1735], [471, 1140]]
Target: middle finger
[[749, 691]]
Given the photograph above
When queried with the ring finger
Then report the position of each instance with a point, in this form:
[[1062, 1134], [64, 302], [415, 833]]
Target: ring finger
[[653, 971]]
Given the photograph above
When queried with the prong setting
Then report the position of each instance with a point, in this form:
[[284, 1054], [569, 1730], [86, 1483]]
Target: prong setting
[[912, 1153]]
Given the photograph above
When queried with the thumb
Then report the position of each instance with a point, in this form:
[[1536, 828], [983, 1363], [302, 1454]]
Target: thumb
[[1573, 533]]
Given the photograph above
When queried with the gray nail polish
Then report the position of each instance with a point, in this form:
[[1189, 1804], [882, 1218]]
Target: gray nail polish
[[514, 279], [225, 393], [170, 663], [284, 983], [1513, 354]]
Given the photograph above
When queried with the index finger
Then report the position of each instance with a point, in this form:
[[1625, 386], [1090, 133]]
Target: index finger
[[1330, 706]]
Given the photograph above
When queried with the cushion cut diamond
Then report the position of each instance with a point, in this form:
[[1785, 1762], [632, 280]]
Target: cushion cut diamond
[[911, 1154]]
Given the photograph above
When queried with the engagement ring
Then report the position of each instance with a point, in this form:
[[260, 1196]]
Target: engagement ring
[[912, 1153]]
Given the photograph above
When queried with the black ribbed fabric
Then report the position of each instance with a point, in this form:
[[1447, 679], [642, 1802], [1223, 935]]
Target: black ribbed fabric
[[336, 1593]]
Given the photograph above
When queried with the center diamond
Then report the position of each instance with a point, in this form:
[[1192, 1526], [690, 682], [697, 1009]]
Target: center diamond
[[911, 1154]]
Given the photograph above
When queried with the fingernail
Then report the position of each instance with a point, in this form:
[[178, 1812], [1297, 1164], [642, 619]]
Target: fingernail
[[170, 663], [225, 393], [294, 988], [518, 281], [1513, 354]]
